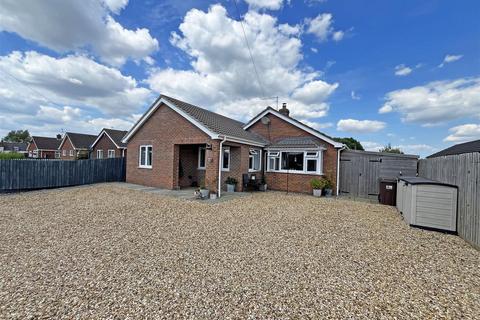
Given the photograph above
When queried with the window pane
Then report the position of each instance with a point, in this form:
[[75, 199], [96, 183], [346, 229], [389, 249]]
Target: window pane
[[250, 162], [201, 160], [149, 157], [226, 158], [312, 165], [256, 161], [292, 161], [142, 156]]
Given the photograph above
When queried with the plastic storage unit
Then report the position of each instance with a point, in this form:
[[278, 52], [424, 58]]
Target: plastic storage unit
[[427, 203]]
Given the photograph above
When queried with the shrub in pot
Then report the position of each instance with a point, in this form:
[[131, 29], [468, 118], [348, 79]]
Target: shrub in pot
[[328, 188], [231, 183], [317, 186], [263, 184]]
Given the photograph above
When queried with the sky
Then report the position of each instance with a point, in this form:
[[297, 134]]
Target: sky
[[403, 72]]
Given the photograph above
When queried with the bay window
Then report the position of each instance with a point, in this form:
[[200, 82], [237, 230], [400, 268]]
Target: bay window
[[145, 156], [301, 161], [254, 160]]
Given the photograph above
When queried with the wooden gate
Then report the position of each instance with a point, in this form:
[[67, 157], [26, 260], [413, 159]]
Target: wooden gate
[[361, 171]]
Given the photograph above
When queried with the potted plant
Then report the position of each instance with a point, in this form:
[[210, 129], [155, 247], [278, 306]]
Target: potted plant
[[328, 188], [317, 186], [204, 192], [231, 183], [263, 184]]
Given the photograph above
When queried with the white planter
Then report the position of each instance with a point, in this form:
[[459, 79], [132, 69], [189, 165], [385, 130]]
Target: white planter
[[204, 193], [213, 196], [317, 192], [230, 188]]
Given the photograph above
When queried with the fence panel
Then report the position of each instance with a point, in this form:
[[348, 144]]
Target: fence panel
[[463, 171], [27, 174]]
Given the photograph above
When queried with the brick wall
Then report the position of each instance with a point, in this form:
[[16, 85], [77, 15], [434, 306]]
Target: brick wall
[[280, 129], [105, 144], [157, 131], [67, 146]]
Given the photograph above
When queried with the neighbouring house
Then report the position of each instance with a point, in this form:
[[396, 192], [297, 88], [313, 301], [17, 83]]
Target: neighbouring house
[[17, 147], [76, 146], [176, 144], [109, 144], [44, 147], [466, 147]]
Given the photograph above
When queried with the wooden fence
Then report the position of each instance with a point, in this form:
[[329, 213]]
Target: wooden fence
[[30, 174], [361, 171], [463, 171]]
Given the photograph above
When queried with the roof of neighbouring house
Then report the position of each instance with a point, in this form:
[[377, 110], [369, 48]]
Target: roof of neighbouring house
[[10, 146], [296, 142], [467, 147], [81, 140], [46, 143], [115, 135]]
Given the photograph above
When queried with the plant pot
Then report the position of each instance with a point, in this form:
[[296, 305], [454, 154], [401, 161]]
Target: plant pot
[[328, 192], [204, 193], [213, 196], [262, 187], [230, 188], [317, 192]]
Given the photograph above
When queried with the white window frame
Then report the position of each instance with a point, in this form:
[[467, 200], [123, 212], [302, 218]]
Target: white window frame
[[251, 154], [226, 150], [35, 153], [110, 152], [64, 153], [205, 158], [307, 155], [71, 153], [57, 154], [144, 166], [100, 154]]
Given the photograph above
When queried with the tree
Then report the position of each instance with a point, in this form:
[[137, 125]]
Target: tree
[[351, 143], [17, 136], [389, 149]]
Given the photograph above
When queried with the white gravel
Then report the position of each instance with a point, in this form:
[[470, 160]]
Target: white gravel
[[109, 252]]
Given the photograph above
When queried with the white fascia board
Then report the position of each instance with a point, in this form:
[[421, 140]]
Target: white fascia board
[[295, 123], [139, 124], [100, 136], [244, 141]]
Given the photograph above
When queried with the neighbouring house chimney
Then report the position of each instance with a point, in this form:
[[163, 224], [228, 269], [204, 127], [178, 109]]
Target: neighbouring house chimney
[[284, 110], [59, 137]]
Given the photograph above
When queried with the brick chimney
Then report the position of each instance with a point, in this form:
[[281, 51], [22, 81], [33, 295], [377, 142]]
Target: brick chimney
[[284, 110], [59, 137]]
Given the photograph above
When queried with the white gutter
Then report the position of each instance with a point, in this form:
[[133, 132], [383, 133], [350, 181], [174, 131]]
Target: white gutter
[[219, 191], [338, 169]]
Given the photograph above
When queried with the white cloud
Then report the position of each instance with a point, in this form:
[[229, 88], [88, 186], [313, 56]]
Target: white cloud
[[463, 133], [450, 58], [72, 80], [321, 27], [265, 4], [64, 26], [419, 149], [371, 145], [222, 77], [402, 70], [360, 126], [436, 102]]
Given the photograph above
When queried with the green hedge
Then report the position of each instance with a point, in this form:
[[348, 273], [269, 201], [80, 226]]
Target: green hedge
[[11, 155]]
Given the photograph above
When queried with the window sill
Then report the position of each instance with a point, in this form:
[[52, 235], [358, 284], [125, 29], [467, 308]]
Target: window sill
[[144, 167], [249, 170], [200, 168], [225, 170], [297, 172]]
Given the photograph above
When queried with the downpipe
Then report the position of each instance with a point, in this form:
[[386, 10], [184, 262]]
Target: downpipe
[[220, 154], [338, 170]]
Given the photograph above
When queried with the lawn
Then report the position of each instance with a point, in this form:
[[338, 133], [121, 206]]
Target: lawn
[[105, 251]]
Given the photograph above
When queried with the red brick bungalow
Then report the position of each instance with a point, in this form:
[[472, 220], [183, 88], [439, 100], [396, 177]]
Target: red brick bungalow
[[44, 147], [109, 145], [76, 146], [176, 144]]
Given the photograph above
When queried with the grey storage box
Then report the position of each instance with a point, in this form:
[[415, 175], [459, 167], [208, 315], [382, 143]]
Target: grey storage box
[[427, 203]]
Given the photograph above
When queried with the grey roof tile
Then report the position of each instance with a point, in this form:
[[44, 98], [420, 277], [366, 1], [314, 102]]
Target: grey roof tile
[[47, 143], [296, 142], [117, 136], [81, 140], [467, 147]]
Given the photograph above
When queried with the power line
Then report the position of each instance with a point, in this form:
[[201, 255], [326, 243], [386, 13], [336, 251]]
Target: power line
[[249, 50], [31, 89]]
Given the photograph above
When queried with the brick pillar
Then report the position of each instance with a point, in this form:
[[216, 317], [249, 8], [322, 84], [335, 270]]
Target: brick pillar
[[211, 166], [244, 153], [176, 163]]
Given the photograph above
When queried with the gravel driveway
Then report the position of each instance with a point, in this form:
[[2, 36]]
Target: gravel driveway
[[108, 252]]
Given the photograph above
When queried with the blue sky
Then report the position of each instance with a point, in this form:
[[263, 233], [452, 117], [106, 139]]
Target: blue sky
[[399, 72]]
